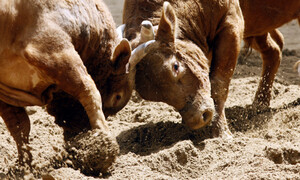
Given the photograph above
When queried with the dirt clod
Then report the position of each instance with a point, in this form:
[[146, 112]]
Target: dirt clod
[[93, 152]]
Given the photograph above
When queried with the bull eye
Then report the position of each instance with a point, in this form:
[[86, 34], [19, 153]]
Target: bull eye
[[176, 67], [118, 97]]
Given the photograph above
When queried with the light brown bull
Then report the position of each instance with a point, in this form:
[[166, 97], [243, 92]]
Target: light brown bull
[[191, 61], [195, 50], [262, 17], [53, 45]]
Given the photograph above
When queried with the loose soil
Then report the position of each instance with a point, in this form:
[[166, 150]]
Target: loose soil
[[155, 145]]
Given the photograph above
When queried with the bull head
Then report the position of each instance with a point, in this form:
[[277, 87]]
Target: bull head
[[173, 71], [120, 83]]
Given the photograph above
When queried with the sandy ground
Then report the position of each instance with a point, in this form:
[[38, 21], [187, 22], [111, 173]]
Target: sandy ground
[[155, 145]]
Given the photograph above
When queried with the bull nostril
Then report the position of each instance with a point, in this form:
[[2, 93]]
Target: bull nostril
[[207, 115], [118, 97]]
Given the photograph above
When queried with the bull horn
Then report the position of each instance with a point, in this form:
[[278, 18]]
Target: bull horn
[[147, 31], [138, 54], [120, 31], [297, 67]]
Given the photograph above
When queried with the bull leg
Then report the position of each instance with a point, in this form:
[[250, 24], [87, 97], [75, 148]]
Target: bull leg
[[227, 47], [18, 124], [278, 38], [69, 73], [270, 46]]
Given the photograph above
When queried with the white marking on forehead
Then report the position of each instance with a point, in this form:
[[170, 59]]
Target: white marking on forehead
[[167, 63], [35, 79], [170, 61]]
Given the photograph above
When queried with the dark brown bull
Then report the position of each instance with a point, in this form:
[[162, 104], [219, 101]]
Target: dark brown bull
[[70, 46], [195, 50]]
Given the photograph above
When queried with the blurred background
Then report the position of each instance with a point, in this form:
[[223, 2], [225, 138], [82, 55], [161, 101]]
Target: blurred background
[[289, 30], [116, 8]]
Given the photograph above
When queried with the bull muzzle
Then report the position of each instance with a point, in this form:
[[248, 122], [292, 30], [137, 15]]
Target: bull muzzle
[[196, 117]]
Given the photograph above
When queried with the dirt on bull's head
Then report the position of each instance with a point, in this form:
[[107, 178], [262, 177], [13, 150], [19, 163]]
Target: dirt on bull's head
[[172, 77], [176, 72], [119, 85]]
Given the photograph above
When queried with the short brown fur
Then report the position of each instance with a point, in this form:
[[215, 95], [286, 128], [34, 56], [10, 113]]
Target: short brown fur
[[207, 36], [211, 32], [58, 46], [261, 20]]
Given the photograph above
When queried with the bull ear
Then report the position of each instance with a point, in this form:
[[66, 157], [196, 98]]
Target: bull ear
[[121, 56], [167, 25]]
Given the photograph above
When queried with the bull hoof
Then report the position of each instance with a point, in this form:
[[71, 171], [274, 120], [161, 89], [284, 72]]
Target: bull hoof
[[220, 133], [227, 135], [25, 156], [255, 109], [260, 105], [224, 135], [93, 152]]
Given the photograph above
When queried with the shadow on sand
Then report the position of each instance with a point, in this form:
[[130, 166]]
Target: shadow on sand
[[153, 137], [149, 138]]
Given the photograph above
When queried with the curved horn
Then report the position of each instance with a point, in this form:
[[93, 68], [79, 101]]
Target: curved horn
[[138, 54], [147, 31], [297, 67], [120, 31]]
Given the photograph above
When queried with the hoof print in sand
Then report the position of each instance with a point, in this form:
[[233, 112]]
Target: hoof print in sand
[[274, 154], [287, 155]]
